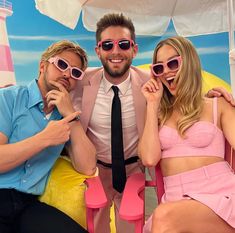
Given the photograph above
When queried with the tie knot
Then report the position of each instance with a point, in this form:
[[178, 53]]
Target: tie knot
[[115, 90]]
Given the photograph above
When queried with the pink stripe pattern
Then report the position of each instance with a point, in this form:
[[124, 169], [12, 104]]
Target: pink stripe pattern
[[6, 63], [6, 4]]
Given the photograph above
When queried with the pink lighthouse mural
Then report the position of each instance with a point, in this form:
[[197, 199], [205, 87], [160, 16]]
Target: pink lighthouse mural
[[7, 75]]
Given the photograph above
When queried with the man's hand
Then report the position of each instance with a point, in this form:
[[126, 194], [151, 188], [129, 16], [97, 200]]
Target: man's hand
[[220, 91], [58, 132], [60, 98], [232, 54]]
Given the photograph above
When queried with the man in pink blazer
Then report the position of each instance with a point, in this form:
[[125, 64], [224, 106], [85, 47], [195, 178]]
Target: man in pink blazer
[[85, 98], [115, 48]]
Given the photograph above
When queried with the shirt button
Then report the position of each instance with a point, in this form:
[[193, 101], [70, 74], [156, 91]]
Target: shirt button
[[28, 165], [24, 181], [41, 106]]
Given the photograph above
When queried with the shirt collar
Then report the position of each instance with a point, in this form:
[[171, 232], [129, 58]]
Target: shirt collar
[[123, 87], [35, 96]]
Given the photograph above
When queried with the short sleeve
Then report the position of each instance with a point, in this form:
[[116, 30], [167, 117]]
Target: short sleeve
[[6, 111]]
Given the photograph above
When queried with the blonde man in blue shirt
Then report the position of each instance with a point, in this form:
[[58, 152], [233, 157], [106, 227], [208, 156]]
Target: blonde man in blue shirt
[[36, 121]]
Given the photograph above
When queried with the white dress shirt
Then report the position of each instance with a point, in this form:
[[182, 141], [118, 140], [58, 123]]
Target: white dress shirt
[[99, 128]]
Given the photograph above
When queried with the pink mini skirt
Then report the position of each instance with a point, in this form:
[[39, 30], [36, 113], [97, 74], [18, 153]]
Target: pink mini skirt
[[212, 185]]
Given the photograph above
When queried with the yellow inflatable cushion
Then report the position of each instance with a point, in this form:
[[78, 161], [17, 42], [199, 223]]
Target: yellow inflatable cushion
[[65, 190]]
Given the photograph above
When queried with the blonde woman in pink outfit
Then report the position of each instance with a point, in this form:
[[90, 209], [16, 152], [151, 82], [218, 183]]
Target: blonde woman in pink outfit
[[185, 132]]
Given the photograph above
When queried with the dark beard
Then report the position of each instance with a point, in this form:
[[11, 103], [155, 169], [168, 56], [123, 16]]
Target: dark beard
[[117, 73]]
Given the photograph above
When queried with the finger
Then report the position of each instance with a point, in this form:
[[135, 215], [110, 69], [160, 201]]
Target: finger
[[58, 85], [232, 53], [222, 91], [51, 97], [51, 103], [159, 83], [233, 102], [152, 76], [156, 84], [54, 92], [230, 96], [71, 117], [150, 87], [213, 93], [227, 96]]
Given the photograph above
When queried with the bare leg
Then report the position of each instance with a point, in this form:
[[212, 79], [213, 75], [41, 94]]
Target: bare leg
[[188, 216]]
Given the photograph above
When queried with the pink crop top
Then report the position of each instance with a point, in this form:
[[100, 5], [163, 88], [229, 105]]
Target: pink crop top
[[203, 138]]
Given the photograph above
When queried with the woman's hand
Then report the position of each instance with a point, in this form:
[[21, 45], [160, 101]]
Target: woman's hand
[[152, 90]]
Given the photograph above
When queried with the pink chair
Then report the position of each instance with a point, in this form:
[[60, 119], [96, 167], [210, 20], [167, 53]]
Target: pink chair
[[95, 198], [132, 205]]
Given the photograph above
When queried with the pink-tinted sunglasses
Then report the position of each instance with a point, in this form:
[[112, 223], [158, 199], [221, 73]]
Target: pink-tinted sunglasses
[[173, 64]]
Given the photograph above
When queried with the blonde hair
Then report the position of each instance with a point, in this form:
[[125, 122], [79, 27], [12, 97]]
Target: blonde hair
[[188, 99], [65, 45]]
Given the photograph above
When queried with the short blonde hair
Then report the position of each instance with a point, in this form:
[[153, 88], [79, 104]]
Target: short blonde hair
[[65, 45]]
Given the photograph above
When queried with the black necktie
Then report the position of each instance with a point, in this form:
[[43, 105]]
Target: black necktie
[[118, 162]]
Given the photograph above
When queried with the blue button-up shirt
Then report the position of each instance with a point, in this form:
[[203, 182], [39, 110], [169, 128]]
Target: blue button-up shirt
[[22, 116]]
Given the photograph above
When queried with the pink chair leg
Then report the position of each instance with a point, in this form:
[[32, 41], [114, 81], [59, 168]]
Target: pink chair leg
[[139, 226], [90, 220]]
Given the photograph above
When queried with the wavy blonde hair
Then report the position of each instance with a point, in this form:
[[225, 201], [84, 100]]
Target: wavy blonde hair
[[188, 98]]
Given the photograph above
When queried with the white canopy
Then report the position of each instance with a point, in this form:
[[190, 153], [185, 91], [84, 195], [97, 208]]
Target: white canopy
[[150, 17]]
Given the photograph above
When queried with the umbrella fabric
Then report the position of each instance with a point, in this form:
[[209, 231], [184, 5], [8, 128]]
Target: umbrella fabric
[[150, 17]]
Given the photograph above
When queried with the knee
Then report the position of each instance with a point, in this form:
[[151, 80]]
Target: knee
[[164, 219]]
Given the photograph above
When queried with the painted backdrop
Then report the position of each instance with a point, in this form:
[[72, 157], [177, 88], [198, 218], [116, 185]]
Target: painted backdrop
[[30, 32]]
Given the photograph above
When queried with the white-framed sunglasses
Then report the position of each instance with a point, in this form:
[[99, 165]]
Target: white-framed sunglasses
[[63, 65]]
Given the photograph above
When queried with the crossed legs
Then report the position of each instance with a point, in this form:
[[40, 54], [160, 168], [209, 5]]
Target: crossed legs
[[187, 216]]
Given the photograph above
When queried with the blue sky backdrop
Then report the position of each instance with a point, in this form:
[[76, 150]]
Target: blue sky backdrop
[[30, 33]]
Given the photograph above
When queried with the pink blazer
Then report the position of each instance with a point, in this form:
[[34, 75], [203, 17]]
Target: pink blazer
[[85, 93]]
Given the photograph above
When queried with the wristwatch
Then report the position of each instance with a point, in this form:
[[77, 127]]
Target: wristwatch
[[77, 118]]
